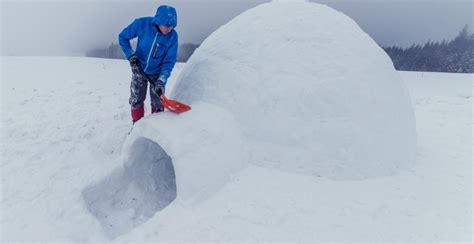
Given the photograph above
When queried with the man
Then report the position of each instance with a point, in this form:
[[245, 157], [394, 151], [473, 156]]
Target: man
[[154, 58]]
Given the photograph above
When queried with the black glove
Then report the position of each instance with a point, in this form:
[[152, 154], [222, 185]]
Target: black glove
[[135, 64], [159, 88]]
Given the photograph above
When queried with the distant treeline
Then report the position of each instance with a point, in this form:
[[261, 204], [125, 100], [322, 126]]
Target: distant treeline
[[115, 52], [455, 56]]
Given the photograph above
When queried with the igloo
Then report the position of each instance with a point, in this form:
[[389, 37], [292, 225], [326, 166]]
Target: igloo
[[292, 86], [310, 91]]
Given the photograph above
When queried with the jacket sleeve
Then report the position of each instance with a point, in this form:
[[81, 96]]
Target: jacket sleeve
[[126, 35], [169, 61]]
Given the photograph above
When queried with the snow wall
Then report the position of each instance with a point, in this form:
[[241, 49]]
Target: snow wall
[[311, 92], [205, 146], [293, 86]]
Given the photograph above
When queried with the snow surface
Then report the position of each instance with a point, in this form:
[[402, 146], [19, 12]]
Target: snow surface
[[293, 136], [311, 92], [63, 130]]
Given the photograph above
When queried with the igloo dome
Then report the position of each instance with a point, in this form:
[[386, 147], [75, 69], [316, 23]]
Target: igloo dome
[[311, 92]]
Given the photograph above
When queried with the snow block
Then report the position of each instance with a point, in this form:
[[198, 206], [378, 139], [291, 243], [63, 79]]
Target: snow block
[[310, 90], [133, 194]]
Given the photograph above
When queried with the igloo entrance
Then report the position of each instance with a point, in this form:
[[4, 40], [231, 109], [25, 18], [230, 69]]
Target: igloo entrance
[[131, 195]]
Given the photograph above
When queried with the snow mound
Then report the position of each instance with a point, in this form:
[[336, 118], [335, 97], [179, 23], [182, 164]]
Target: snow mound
[[204, 144], [310, 90]]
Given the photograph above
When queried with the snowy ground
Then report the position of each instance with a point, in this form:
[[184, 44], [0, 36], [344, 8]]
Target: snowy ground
[[64, 121]]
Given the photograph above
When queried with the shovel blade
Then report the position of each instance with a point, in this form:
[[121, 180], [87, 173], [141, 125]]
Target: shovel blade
[[174, 106]]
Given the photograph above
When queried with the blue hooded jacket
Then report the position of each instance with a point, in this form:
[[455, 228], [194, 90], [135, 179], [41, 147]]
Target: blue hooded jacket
[[157, 52]]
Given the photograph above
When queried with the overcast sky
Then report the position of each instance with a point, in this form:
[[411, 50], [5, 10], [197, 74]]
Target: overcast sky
[[71, 27]]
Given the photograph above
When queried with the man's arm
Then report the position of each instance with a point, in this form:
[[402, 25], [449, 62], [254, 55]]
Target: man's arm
[[169, 61], [126, 35]]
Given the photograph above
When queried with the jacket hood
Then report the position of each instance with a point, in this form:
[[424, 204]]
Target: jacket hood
[[166, 15]]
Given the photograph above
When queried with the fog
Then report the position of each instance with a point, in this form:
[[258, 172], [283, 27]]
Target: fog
[[73, 27]]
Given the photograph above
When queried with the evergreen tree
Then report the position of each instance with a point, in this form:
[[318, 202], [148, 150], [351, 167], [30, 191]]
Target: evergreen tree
[[453, 56]]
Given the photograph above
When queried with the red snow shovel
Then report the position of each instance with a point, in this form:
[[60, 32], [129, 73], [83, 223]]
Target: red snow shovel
[[174, 106]]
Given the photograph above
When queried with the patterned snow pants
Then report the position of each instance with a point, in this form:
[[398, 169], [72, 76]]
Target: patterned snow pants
[[138, 89]]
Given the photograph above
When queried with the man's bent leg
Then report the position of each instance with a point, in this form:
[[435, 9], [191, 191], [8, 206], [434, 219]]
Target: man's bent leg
[[156, 102]]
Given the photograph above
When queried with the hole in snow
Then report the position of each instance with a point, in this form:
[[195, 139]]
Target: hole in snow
[[131, 195]]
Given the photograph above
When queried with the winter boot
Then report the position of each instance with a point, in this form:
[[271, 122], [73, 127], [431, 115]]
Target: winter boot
[[155, 110], [138, 113]]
